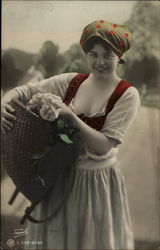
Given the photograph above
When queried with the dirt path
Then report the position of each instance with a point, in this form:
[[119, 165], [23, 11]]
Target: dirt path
[[139, 157]]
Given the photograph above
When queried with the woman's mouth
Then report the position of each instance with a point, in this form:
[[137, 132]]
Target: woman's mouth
[[100, 69]]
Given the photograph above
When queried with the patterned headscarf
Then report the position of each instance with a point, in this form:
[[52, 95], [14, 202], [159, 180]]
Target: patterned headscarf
[[116, 35]]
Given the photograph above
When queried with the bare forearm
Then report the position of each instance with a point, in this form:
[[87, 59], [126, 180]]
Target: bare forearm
[[93, 139], [10, 96]]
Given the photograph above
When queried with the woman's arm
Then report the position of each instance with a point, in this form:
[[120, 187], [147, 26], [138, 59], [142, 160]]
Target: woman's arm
[[56, 85], [92, 138], [22, 93], [10, 96]]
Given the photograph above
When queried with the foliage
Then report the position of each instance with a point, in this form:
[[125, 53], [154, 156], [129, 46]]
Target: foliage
[[75, 60], [48, 60], [23, 60], [15, 63], [11, 74], [143, 58]]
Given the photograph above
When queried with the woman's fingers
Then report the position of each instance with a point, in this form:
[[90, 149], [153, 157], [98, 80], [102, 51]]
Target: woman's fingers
[[7, 118], [9, 108], [7, 123], [3, 130], [5, 127], [7, 111], [10, 116]]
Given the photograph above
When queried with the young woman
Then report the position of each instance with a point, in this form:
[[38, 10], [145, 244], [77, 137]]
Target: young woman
[[102, 106]]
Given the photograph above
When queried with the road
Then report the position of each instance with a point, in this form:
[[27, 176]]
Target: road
[[139, 156], [140, 160]]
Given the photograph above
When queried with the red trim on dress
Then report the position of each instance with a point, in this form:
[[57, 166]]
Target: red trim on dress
[[95, 122]]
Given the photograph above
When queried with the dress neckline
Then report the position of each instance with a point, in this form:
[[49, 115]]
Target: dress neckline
[[102, 113]]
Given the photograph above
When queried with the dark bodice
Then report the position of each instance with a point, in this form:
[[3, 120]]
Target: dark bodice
[[95, 122]]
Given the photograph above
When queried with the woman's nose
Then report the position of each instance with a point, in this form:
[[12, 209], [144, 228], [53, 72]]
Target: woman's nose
[[100, 61]]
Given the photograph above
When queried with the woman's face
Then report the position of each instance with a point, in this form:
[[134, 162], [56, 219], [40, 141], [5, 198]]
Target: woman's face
[[102, 62]]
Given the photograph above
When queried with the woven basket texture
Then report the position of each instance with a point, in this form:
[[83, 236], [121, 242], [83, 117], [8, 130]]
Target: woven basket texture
[[30, 134]]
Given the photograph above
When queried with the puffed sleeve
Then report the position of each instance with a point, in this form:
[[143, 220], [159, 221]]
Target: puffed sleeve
[[56, 85], [122, 115]]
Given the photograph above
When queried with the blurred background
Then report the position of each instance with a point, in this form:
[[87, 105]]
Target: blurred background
[[41, 39]]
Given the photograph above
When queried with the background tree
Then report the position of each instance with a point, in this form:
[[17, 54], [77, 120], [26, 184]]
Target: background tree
[[10, 73], [143, 58], [75, 60], [49, 61]]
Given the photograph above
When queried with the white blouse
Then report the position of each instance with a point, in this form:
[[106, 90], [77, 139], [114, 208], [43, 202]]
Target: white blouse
[[116, 125]]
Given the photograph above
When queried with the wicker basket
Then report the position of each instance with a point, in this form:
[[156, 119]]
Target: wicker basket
[[36, 178]]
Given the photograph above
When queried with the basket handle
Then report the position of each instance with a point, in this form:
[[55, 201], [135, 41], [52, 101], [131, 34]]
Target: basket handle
[[29, 210], [13, 197]]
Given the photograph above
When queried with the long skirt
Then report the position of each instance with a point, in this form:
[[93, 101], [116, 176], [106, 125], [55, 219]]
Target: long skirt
[[95, 216]]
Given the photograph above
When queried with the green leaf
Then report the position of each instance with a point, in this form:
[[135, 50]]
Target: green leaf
[[65, 138]]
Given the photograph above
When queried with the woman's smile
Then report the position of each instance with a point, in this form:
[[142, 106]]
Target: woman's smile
[[100, 69]]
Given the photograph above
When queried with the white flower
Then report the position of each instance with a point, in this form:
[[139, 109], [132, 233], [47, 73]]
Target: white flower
[[38, 100], [55, 100], [49, 112]]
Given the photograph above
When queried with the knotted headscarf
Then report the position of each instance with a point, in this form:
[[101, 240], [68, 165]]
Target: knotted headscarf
[[116, 35]]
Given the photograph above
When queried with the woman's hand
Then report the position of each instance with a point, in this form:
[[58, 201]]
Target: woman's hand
[[7, 112], [7, 117], [93, 139], [65, 112]]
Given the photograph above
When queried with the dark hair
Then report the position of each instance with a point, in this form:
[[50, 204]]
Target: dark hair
[[96, 40]]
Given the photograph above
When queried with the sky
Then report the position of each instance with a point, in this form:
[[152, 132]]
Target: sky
[[26, 25]]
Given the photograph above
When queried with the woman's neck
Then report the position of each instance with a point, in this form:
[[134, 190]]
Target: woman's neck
[[108, 81]]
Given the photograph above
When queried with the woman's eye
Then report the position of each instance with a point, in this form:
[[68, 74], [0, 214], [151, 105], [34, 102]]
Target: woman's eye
[[108, 56], [93, 55]]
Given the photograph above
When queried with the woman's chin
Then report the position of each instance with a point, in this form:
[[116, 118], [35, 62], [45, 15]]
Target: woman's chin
[[100, 73]]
